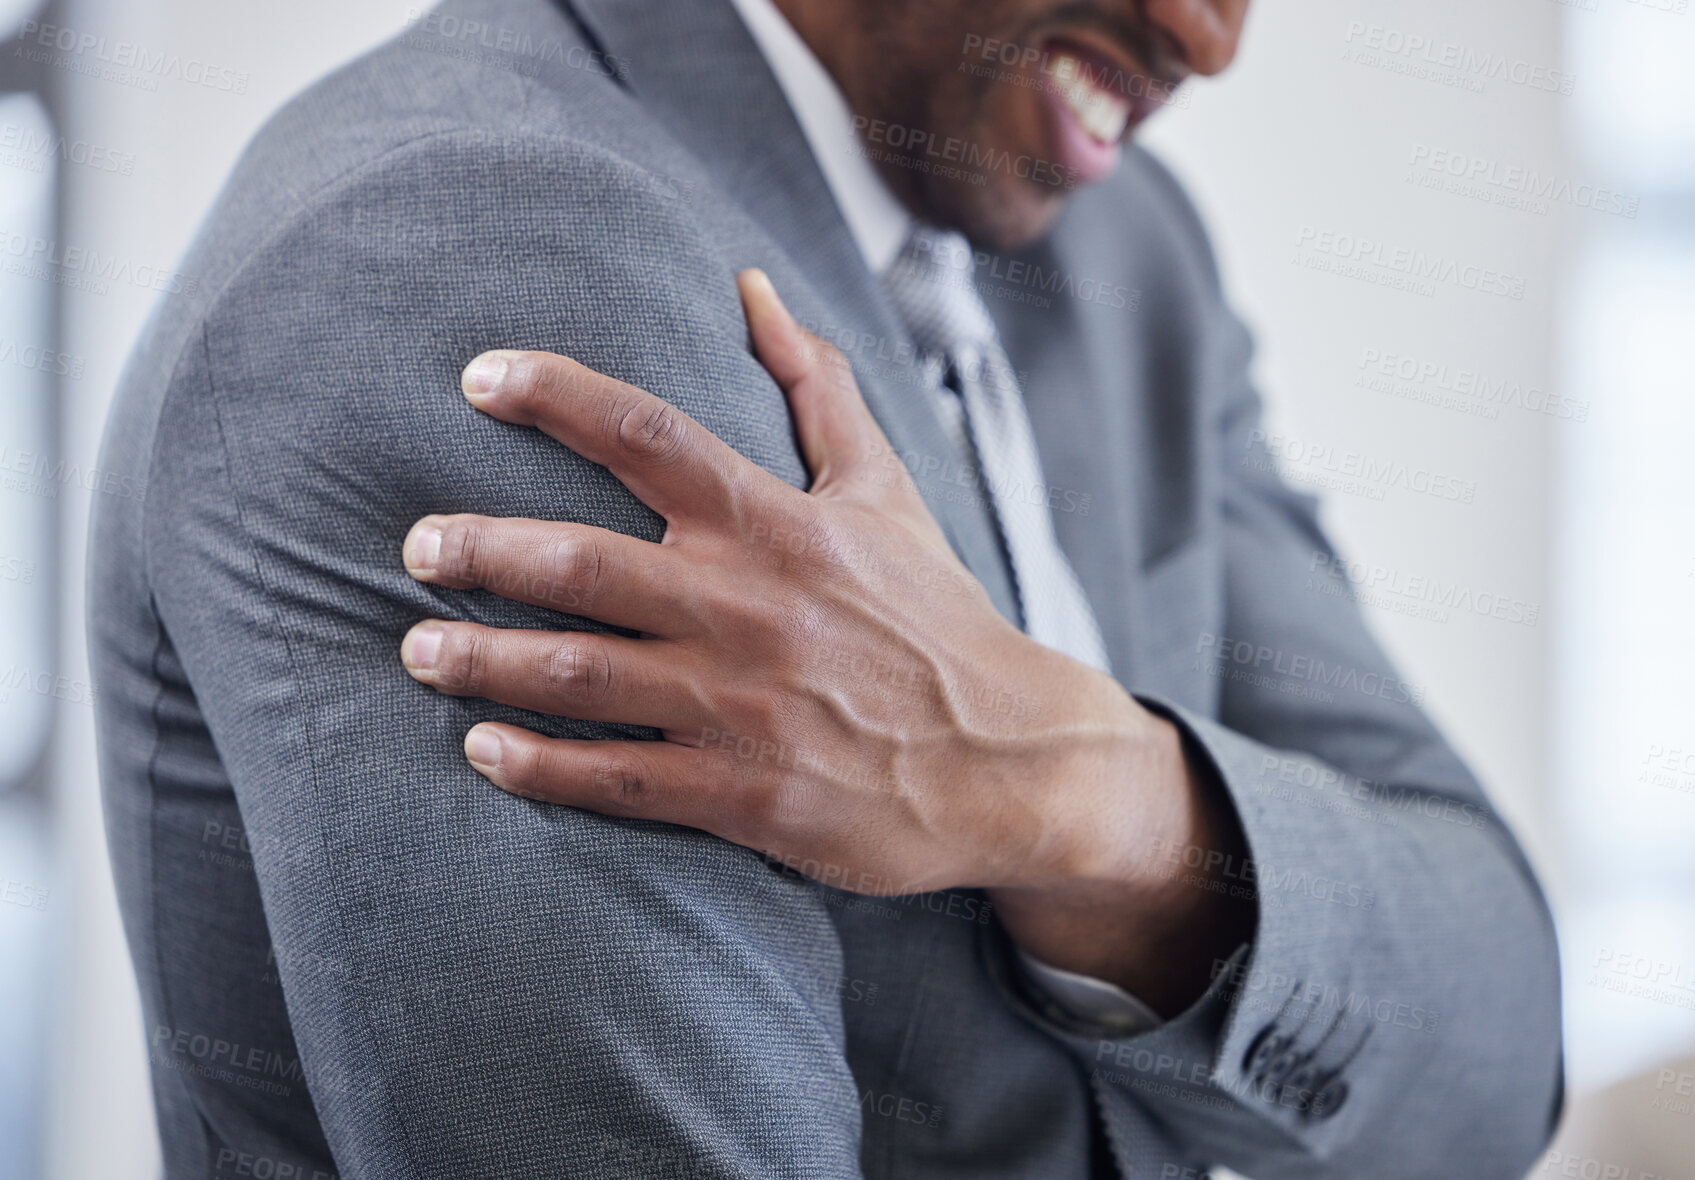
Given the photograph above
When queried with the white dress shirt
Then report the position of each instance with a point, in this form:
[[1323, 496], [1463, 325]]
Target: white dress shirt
[[880, 224]]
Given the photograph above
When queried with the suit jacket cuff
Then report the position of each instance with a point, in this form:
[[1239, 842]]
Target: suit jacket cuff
[[1262, 1056]]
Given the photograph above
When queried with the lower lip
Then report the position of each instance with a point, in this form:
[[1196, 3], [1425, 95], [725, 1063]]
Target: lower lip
[[1079, 156]]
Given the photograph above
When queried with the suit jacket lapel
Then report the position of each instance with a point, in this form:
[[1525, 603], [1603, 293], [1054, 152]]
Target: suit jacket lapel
[[694, 66]]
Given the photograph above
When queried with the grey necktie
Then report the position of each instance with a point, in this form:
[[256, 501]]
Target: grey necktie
[[931, 285]]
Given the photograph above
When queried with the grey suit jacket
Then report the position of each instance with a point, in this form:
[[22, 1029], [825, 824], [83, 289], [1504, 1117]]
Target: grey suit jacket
[[357, 957]]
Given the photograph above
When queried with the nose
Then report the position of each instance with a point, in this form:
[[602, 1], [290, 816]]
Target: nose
[[1205, 32]]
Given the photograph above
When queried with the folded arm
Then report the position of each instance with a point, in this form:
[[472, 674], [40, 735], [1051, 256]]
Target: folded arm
[[1397, 1010], [1333, 834]]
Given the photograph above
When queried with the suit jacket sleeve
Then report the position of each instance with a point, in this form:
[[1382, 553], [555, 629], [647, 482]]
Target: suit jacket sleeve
[[478, 985], [1397, 1011]]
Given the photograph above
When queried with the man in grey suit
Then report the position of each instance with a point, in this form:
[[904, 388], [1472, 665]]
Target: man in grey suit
[[1182, 878]]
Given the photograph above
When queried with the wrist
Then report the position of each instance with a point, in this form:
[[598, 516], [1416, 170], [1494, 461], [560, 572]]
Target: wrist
[[1104, 902], [1115, 788]]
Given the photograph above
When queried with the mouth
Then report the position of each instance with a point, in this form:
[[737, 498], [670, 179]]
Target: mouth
[[1095, 96]]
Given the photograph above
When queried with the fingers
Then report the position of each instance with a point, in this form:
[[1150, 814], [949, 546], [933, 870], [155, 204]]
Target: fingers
[[574, 568], [672, 463], [566, 674], [837, 433], [645, 780]]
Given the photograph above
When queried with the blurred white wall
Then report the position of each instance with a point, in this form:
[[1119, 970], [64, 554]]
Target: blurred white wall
[[1326, 134], [183, 139], [1301, 155], [1624, 713], [1551, 142]]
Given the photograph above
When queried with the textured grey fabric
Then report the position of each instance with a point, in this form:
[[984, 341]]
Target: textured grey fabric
[[357, 956]]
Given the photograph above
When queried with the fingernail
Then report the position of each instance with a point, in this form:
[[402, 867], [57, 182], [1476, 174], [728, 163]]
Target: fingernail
[[419, 649], [423, 548], [762, 282], [482, 749], [485, 374]]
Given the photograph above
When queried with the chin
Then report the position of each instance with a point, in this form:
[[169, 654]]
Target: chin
[[1001, 217]]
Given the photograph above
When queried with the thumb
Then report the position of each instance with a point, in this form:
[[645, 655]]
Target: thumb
[[838, 435]]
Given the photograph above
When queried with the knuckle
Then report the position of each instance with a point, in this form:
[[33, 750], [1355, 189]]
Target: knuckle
[[463, 663], [756, 801], [539, 768], [578, 672], [758, 711], [579, 569], [459, 538], [620, 782], [525, 374], [528, 768], [745, 787], [651, 429]]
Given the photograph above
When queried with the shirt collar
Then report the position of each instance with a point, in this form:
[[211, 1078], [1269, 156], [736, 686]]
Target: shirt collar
[[878, 221]]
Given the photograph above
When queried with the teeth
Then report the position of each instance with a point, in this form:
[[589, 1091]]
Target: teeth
[[1101, 113]]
